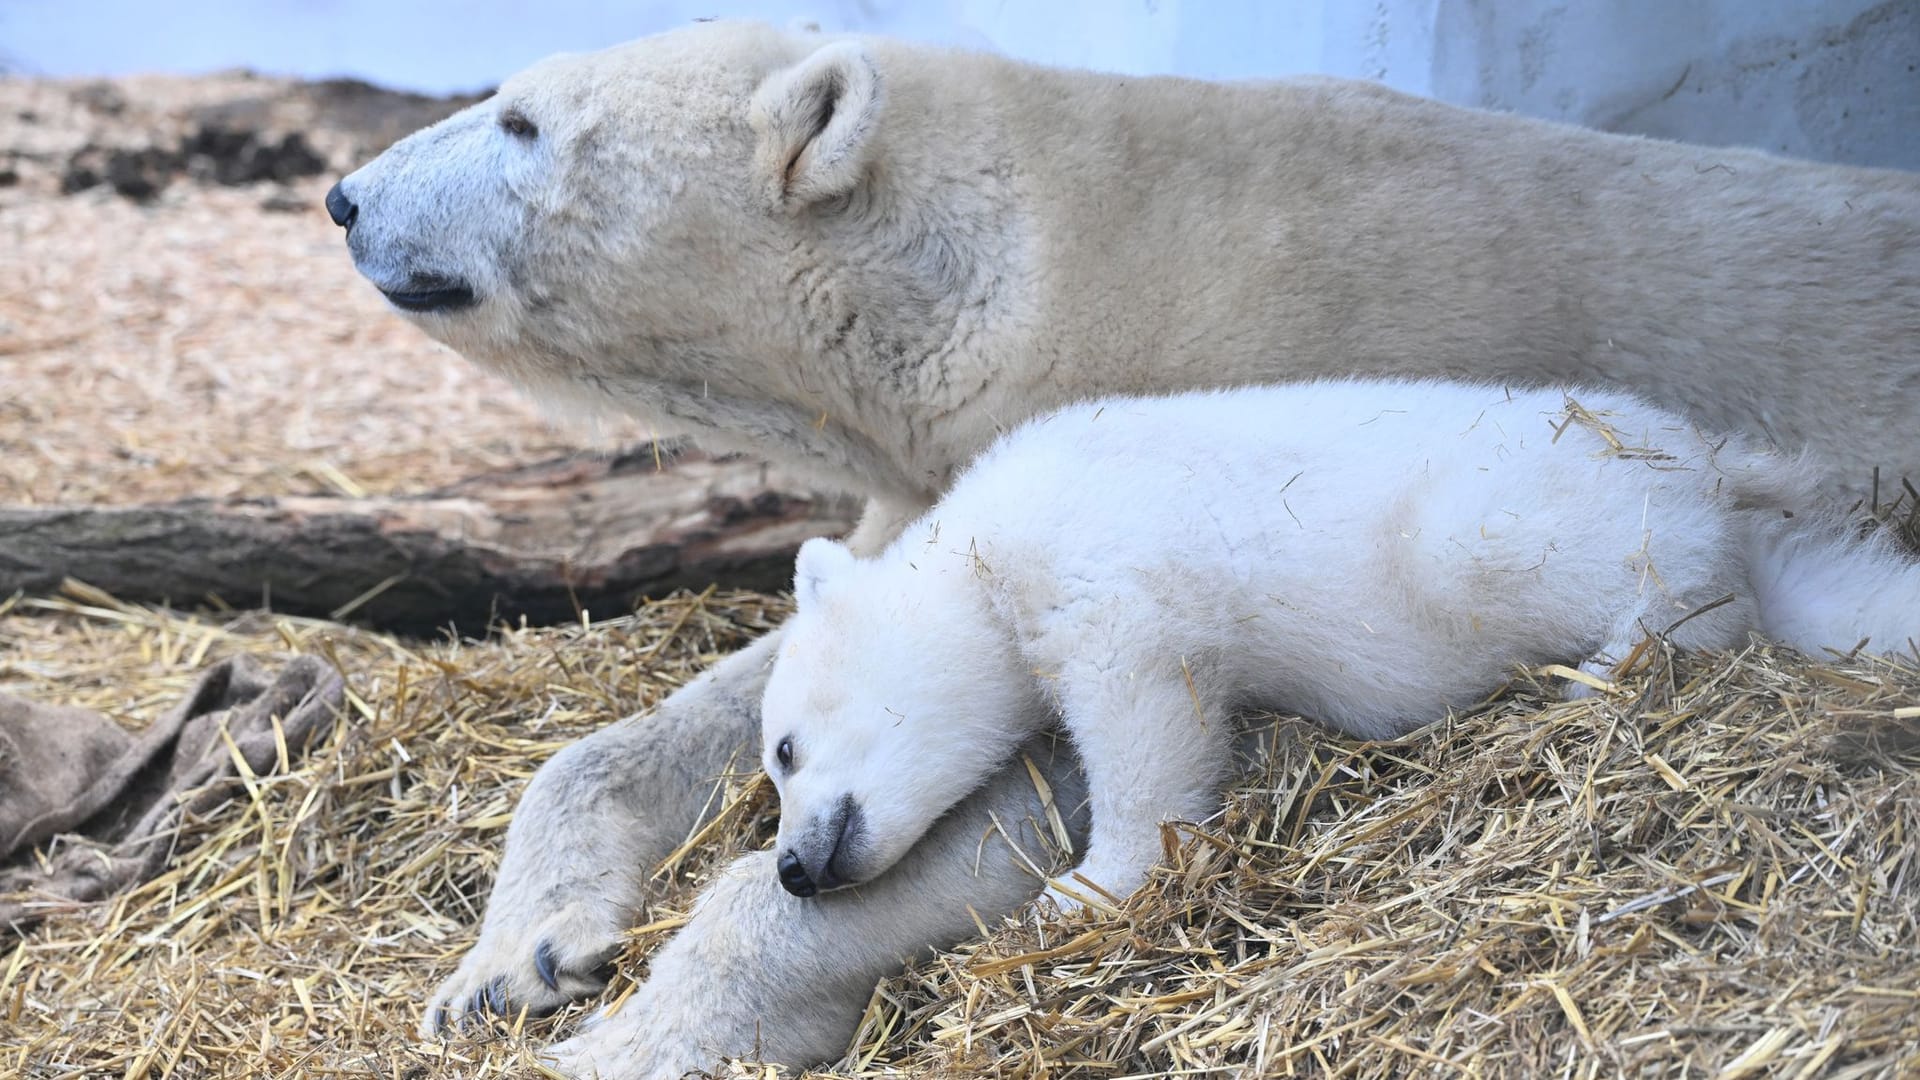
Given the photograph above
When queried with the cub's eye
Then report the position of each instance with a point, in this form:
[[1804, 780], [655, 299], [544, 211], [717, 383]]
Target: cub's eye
[[515, 123], [784, 753]]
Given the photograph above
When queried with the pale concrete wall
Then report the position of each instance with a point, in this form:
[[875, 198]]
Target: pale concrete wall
[[1828, 79], [1834, 80], [1837, 80]]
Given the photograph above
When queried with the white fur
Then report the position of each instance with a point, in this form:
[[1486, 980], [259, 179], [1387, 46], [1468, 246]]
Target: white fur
[[1822, 586], [872, 295], [1367, 553], [869, 257]]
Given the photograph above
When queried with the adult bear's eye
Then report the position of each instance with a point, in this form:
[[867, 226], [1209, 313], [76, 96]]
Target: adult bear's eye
[[784, 752], [515, 123]]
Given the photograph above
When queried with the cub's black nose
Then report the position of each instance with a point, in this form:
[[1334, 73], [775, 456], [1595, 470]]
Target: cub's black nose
[[340, 208], [793, 876]]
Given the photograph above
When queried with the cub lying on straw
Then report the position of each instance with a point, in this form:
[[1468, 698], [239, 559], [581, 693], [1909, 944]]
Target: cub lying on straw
[[1369, 554]]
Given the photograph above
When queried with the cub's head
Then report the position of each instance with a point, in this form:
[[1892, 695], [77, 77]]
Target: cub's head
[[613, 223], [890, 701]]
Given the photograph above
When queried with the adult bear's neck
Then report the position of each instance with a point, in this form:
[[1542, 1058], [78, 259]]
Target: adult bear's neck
[[1187, 230], [1171, 234], [1129, 235], [1060, 233]]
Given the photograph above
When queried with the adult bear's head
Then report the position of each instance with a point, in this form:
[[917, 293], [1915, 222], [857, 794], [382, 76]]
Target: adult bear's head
[[684, 226]]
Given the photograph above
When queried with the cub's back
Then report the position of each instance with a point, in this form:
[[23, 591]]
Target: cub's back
[[1247, 461]]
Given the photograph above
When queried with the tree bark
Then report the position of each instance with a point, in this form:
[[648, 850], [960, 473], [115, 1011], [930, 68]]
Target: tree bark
[[544, 543]]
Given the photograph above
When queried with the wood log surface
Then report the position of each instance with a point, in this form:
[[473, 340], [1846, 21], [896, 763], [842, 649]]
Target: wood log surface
[[542, 542]]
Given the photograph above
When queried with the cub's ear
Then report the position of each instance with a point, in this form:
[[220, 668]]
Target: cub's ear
[[819, 560], [815, 122]]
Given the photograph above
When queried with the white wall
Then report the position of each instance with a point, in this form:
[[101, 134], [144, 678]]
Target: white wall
[[1831, 79], [1828, 79]]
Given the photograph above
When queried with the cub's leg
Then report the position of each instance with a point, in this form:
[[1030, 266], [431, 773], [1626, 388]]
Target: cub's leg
[[1677, 593], [1156, 747]]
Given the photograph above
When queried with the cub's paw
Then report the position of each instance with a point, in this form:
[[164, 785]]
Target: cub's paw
[[536, 966], [1601, 681], [1577, 691], [1056, 901], [1098, 888]]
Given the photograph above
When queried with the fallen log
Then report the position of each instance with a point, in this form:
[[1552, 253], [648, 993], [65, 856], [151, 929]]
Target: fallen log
[[542, 543]]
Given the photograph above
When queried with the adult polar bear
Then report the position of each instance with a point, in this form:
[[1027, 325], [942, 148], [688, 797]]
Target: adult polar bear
[[868, 257]]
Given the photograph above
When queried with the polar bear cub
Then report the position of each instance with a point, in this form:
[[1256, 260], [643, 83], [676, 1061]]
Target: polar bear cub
[[1365, 553]]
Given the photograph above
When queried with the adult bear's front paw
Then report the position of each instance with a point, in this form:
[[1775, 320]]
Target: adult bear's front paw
[[595, 819], [537, 964], [569, 886], [642, 1041], [616, 1048], [754, 973]]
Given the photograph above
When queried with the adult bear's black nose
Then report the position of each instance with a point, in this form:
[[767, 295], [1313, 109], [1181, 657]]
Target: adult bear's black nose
[[340, 208], [793, 876]]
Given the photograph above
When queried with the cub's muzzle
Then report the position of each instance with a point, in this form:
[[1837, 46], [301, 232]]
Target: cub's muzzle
[[826, 855], [794, 877]]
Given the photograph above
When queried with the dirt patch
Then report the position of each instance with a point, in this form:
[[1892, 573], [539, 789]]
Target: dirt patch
[[139, 135]]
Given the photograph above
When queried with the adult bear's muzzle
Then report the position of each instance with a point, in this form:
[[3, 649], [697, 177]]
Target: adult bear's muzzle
[[340, 208], [406, 287], [429, 293]]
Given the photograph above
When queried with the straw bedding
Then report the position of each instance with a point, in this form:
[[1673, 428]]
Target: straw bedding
[[1717, 874], [299, 926]]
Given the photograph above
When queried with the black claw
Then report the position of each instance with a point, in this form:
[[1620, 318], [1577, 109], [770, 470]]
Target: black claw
[[437, 1020], [497, 995], [543, 965], [478, 1002], [606, 969]]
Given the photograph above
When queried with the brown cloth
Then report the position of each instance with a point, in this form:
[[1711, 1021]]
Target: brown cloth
[[67, 770]]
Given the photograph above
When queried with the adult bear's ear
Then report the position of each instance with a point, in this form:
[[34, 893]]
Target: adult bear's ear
[[819, 560], [815, 122]]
